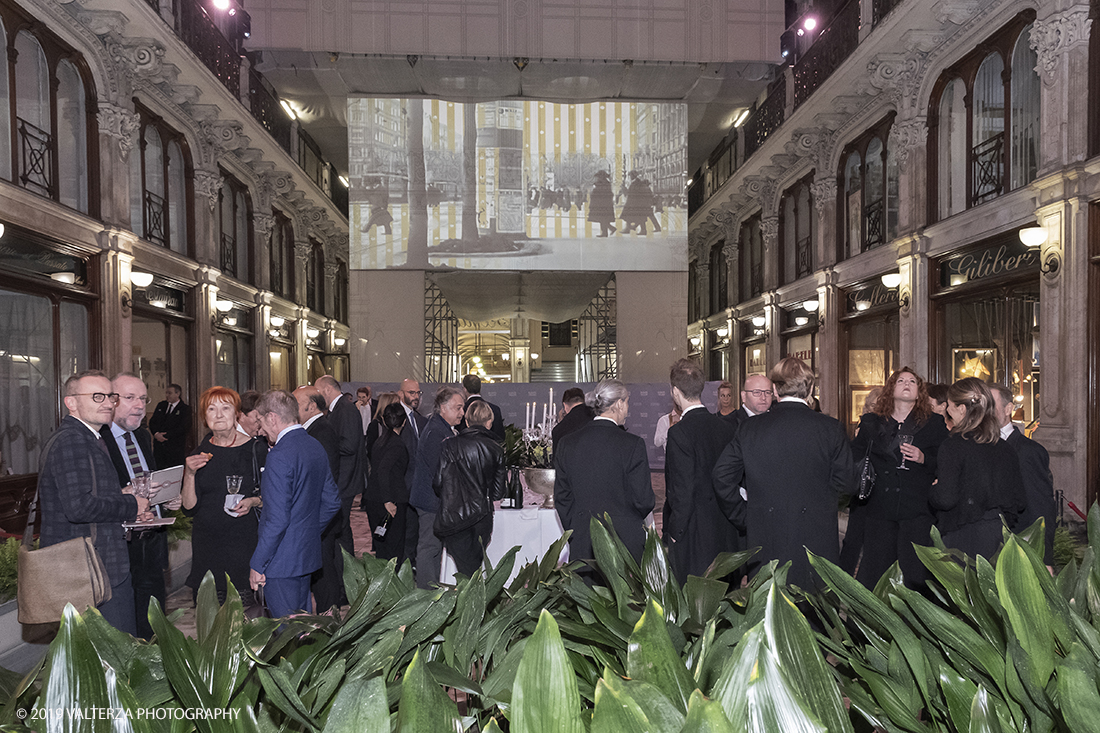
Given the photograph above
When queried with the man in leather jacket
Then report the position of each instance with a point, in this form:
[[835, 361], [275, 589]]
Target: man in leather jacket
[[470, 478]]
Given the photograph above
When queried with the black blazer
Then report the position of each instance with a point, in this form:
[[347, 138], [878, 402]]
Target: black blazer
[[899, 494], [347, 423], [411, 439], [1038, 487], [574, 420], [602, 468], [322, 432], [144, 441], [388, 465], [795, 464], [975, 480], [736, 417], [695, 529], [176, 428], [498, 419]]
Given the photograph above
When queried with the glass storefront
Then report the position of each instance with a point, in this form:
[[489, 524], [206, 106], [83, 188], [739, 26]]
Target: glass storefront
[[871, 338], [233, 350], [159, 340]]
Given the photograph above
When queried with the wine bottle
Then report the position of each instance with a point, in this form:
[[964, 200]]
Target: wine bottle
[[380, 530]]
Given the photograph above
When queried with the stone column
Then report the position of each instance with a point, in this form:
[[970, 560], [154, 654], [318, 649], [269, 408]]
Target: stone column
[[262, 226], [331, 268], [909, 141], [701, 270], [302, 251], [519, 350], [118, 127], [769, 234], [829, 355], [773, 325], [1061, 43], [914, 305], [208, 184], [114, 282], [731, 252], [824, 193], [206, 292]]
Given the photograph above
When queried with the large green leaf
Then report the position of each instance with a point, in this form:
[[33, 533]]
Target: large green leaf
[[131, 717], [793, 642], [659, 710], [705, 716], [702, 597], [657, 576], [464, 632], [360, 707], [544, 696], [617, 712], [611, 559], [425, 707], [1027, 609], [652, 658], [182, 663], [425, 627], [74, 680], [1077, 693], [959, 693], [983, 718], [280, 691], [728, 562]]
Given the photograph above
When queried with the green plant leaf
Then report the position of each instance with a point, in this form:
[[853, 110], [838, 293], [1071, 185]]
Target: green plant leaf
[[704, 716], [658, 578], [652, 658], [448, 677], [360, 707], [728, 562], [120, 698], [659, 710], [182, 661], [464, 632], [280, 691], [702, 597], [427, 625], [611, 558], [73, 678], [545, 697], [424, 707], [1080, 702], [617, 712], [983, 719], [958, 692], [1027, 610], [791, 639]]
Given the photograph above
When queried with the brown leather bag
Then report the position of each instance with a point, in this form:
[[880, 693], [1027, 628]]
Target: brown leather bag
[[68, 572]]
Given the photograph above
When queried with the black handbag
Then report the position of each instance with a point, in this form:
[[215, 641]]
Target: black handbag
[[866, 474]]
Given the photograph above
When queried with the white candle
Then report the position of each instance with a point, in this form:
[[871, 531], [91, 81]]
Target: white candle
[[527, 422]]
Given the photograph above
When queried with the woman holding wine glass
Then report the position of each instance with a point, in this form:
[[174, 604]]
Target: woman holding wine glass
[[902, 436]]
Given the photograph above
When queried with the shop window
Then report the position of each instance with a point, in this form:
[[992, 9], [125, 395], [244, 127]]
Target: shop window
[[282, 366], [282, 257], [719, 293], [999, 81], [751, 258], [315, 278], [869, 208], [340, 293], [234, 214], [233, 350], [796, 232], [158, 185], [872, 343]]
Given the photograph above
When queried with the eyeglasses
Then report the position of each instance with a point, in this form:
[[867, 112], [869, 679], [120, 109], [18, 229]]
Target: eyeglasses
[[757, 392], [414, 393], [98, 397]]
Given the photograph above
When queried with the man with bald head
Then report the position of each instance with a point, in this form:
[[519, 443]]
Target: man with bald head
[[311, 413], [347, 423], [756, 398], [409, 392]]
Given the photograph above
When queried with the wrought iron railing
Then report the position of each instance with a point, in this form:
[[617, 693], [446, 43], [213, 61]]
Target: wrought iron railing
[[229, 254], [756, 279], [987, 166], [36, 158], [198, 31], [156, 216], [873, 225], [803, 257], [265, 107], [833, 45], [766, 118], [881, 8]]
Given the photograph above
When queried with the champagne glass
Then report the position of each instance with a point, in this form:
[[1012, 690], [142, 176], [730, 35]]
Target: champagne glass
[[905, 440], [233, 495]]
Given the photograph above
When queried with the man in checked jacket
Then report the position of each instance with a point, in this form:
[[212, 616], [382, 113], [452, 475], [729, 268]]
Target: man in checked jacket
[[78, 488]]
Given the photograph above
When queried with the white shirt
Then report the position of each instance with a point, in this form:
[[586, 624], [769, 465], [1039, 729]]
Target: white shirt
[[119, 434], [411, 420], [364, 411], [286, 430], [90, 427], [312, 420], [332, 405], [789, 398], [748, 412], [172, 407], [660, 437], [1007, 431]]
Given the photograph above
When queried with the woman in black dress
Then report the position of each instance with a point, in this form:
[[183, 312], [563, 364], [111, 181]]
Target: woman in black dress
[[897, 515], [978, 479], [223, 540], [376, 428], [387, 483]]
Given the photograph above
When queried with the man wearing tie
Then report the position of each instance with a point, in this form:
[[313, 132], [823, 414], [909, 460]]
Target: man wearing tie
[[170, 424], [131, 449], [410, 400]]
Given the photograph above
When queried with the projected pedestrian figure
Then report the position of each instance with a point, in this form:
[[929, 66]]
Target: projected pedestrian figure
[[378, 197], [638, 209], [601, 204]]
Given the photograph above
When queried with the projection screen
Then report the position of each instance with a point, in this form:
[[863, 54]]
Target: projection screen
[[517, 185]]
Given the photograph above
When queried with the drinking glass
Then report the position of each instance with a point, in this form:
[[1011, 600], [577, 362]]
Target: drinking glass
[[234, 495], [143, 484], [905, 440]]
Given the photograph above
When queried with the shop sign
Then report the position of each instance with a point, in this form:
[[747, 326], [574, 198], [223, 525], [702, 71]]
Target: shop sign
[[997, 260], [161, 296], [871, 295], [20, 254]]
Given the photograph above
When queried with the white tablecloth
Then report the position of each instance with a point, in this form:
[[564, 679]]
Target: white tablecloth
[[531, 529]]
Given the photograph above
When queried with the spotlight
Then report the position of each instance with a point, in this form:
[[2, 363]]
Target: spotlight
[[221, 4], [809, 24]]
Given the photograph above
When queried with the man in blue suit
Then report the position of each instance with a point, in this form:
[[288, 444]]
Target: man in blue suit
[[299, 498]]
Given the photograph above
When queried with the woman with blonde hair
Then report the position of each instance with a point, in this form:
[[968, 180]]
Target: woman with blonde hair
[[978, 477]]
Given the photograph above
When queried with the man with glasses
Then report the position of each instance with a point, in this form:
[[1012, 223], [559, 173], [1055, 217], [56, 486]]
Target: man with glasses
[[410, 393], [78, 490], [756, 399]]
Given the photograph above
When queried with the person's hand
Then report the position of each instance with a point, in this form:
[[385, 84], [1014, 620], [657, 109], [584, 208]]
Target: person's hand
[[174, 504], [160, 437], [146, 516], [912, 453], [142, 506], [256, 579], [244, 506], [673, 418], [391, 508], [197, 461]]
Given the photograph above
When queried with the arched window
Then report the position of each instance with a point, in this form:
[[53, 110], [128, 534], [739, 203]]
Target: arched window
[[233, 235], [158, 185], [796, 231], [281, 261], [952, 148], [32, 116], [72, 138], [870, 204], [751, 259], [315, 277], [178, 211], [999, 82], [340, 293], [5, 110], [719, 293], [1024, 152], [853, 200]]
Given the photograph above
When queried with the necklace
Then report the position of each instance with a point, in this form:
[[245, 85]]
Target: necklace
[[232, 440]]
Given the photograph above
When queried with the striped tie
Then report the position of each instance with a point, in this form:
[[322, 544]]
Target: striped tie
[[132, 454]]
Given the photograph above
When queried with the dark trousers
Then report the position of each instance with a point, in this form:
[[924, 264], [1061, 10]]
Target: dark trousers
[[467, 547], [429, 552], [327, 583], [982, 537], [285, 596], [889, 541], [148, 561], [119, 611], [412, 534], [392, 546]]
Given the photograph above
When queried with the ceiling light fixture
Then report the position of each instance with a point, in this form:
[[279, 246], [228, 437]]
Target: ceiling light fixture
[[288, 109], [221, 4], [344, 180], [741, 118]]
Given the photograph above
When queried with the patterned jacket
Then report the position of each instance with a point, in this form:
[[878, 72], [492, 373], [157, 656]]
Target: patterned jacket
[[75, 461]]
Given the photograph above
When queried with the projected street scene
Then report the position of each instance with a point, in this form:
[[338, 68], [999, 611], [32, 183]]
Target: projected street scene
[[517, 185]]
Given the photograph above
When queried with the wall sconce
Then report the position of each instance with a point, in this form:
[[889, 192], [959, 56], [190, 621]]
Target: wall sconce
[[1, 230], [141, 279], [759, 321], [695, 341], [533, 356], [1034, 236], [312, 333], [506, 356], [339, 342], [811, 305], [904, 300], [127, 304], [1051, 264], [221, 307], [276, 321], [723, 332], [801, 320], [891, 279]]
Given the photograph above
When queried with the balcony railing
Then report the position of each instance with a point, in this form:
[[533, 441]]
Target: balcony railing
[[229, 254], [834, 44], [265, 107], [36, 158], [766, 118], [197, 30], [873, 225], [987, 165], [156, 208]]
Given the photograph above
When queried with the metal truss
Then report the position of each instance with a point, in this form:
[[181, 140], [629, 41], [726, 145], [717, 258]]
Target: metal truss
[[598, 356], [440, 337]]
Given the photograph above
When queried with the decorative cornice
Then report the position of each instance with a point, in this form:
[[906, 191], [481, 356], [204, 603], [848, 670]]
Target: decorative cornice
[[1057, 35], [224, 135], [121, 124], [208, 184], [957, 12]]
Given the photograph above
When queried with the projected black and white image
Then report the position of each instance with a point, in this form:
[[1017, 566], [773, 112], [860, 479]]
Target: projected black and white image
[[517, 185]]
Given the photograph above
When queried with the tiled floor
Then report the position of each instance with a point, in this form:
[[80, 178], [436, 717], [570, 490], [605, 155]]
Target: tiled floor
[[361, 532]]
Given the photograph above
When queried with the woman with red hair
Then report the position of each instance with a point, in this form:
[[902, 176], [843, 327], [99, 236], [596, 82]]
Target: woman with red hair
[[904, 437], [222, 538]]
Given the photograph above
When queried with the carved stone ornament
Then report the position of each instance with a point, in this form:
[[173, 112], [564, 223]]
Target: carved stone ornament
[[769, 231], [896, 71], [730, 251], [208, 184], [702, 269], [121, 124], [956, 11], [1057, 35], [263, 225], [331, 268], [302, 251], [142, 57], [224, 135], [905, 136], [824, 193]]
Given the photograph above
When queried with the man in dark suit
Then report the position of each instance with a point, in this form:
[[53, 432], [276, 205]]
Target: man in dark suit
[[79, 493], [795, 464], [311, 413], [577, 414], [410, 400], [368, 408], [131, 449], [603, 468], [347, 423], [1034, 470], [695, 529], [472, 384], [756, 399], [170, 425], [300, 500]]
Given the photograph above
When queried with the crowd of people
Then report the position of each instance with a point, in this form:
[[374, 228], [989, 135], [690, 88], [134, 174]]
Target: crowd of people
[[271, 486]]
